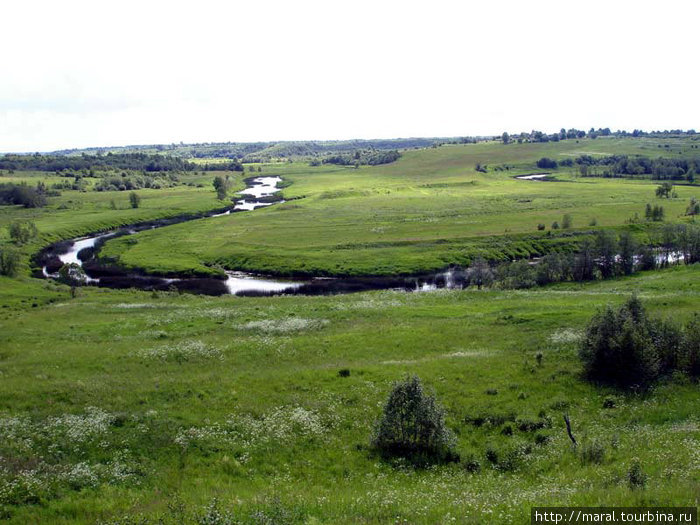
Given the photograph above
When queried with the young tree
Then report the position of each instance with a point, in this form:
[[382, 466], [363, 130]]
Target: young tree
[[21, 232], [412, 425], [606, 250], [584, 262], [72, 274], [134, 199], [505, 137], [221, 186], [480, 273], [567, 222], [693, 208], [9, 261], [628, 248], [657, 213], [664, 190]]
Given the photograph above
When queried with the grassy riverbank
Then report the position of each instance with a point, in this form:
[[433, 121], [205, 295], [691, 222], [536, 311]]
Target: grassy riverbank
[[76, 213], [424, 212], [119, 403]]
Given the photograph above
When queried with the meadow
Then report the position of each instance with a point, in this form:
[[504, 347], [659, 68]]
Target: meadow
[[127, 407], [120, 403], [428, 210]]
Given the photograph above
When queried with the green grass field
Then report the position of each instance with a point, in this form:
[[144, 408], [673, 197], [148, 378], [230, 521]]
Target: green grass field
[[240, 399], [424, 212], [127, 407]]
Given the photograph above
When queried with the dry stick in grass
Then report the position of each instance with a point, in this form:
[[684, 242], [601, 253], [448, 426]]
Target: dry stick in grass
[[568, 429]]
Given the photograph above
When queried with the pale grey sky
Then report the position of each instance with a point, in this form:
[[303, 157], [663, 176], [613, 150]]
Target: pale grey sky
[[86, 73]]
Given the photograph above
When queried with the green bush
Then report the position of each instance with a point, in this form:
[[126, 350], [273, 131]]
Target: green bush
[[22, 232], [618, 349], [625, 348], [690, 349], [412, 426], [593, 453], [9, 261]]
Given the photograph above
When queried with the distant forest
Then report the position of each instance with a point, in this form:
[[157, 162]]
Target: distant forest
[[573, 133], [89, 164], [267, 151]]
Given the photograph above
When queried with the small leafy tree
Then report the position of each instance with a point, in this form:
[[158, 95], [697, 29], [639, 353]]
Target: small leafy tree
[[664, 190], [628, 248], [21, 232], [221, 186], [690, 349], [480, 273], [72, 274], [412, 426], [134, 199], [567, 222]]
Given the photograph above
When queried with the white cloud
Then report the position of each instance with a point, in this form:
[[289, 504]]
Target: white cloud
[[78, 73]]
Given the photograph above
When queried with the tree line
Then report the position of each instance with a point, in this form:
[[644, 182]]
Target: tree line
[[90, 164], [605, 255], [573, 133]]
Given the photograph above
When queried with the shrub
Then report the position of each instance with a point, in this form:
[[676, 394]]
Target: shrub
[[690, 349], [567, 222], [546, 163], [471, 464], [412, 425], [9, 261], [541, 226], [134, 199], [593, 453], [617, 348], [344, 372], [609, 402], [541, 439], [636, 477], [555, 225], [22, 232]]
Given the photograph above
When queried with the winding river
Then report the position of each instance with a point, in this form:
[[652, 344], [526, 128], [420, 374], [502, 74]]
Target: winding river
[[260, 193]]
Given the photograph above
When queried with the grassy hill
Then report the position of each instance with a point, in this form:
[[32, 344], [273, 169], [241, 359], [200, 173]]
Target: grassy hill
[[127, 407], [429, 209]]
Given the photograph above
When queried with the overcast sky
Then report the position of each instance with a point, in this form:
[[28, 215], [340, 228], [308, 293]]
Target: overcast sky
[[99, 73]]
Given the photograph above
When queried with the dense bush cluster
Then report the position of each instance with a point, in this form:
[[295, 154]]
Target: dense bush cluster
[[363, 157], [126, 181], [625, 348], [412, 426], [639, 166], [23, 194]]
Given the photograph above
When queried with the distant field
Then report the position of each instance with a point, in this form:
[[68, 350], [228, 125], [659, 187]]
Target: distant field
[[424, 212]]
